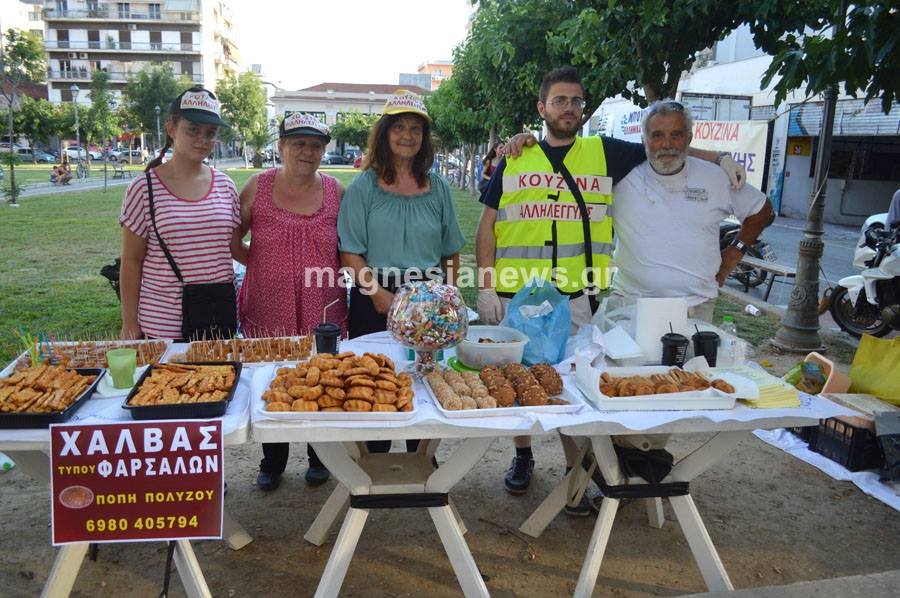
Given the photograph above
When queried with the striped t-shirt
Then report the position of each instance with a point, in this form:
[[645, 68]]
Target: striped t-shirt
[[197, 233]]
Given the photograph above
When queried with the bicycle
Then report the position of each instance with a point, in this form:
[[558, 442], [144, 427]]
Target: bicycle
[[83, 170]]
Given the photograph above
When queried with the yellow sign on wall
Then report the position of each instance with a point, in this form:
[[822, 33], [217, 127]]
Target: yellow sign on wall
[[799, 146]]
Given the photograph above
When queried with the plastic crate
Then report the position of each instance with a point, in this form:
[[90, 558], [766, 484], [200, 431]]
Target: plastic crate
[[804, 433], [854, 448]]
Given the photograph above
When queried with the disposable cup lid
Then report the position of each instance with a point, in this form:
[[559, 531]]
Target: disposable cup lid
[[671, 338]]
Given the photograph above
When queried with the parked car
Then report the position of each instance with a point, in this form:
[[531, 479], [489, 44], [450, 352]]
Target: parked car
[[333, 158], [122, 155], [27, 155], [75, 152]]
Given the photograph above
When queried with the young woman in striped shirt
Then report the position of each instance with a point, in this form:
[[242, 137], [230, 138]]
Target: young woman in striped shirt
[[197, 214]]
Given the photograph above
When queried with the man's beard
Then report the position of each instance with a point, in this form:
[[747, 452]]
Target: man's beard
[[558, 130], [666, 168]]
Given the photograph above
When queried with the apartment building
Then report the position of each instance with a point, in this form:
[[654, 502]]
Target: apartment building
[[82, 36], [438, 70]]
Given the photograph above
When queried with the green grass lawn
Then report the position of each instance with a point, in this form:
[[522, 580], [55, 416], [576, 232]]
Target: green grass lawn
[[52, 249]]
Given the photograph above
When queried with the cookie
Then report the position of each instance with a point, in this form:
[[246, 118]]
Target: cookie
[[301, 405], [361, 392], [355, 405]]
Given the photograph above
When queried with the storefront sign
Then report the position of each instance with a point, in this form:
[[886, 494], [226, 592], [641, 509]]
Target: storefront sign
[[154, 480], [744, 139]]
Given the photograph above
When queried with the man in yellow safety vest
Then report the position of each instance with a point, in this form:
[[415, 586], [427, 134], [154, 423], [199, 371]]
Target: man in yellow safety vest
[[532, 224]]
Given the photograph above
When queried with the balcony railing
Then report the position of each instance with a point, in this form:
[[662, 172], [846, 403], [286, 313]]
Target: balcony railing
[[111, 13], [51, 44], [115, 76]]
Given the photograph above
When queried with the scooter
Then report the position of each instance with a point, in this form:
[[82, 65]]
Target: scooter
[[869, 302], [746, 275]]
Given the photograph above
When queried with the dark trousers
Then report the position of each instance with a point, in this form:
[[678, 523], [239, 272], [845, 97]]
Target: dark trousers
[[275, 456], [363, 319]]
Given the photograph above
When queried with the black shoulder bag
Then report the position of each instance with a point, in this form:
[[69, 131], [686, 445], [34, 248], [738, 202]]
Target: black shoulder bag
[[208, 310], [591, 289]]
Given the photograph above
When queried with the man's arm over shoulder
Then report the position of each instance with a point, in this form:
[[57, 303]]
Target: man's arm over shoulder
[[622, 157]]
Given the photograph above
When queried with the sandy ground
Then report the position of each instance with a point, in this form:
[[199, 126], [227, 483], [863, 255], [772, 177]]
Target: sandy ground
[[774, 519]]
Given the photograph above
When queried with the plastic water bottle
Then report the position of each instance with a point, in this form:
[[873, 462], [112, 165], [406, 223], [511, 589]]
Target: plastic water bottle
[[5, 463], [731, 346]]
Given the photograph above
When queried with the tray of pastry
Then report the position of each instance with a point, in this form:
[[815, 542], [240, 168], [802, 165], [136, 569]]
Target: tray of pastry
[[197, 390], [655, 388], [511, 389], [345, 386], [246, 350], [43, 395], [91, 354]]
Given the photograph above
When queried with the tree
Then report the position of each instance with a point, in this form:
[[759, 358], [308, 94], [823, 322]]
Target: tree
[[154, 85], [102, 119], [243, 101], [819, 44], [354, 128], [34, 121], [457, 121], [645, 45], [259, 138], [21, 59], [505, 57]]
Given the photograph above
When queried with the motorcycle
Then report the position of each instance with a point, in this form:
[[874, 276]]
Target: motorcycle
[[746, 275], [869, 302]]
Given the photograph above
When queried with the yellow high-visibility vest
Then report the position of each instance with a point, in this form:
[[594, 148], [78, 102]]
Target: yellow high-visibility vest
[[539, 230]]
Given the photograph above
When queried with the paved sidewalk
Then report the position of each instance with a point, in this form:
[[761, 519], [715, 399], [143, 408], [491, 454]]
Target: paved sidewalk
[[875, 585]]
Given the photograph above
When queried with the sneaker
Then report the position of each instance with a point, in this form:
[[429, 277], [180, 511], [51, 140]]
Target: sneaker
[[267, 481], [316, 475], [518, 476], [582, 509]]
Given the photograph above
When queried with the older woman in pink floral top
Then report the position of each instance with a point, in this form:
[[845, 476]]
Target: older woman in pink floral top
[[292, 262]]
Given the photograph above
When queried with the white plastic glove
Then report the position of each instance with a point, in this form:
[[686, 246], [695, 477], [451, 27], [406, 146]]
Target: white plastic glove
[[736, 173], [490, 309]]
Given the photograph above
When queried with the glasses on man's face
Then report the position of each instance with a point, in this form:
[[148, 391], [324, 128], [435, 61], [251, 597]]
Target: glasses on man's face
[[564, 102]]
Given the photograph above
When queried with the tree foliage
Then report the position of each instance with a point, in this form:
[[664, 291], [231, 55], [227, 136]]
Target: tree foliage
[[354, 127], [101, 120], [243, 101], [810, 50], [21, 60], [35, 120], [152, 86], [648, 42], [505, 57]]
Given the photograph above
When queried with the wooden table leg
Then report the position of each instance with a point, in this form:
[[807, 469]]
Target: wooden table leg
[[65, 570]]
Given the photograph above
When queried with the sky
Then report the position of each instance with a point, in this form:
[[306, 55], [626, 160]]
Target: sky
[[303, 43]]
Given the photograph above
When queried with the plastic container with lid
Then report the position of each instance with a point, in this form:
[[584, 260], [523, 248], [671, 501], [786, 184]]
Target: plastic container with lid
[[508, 346]]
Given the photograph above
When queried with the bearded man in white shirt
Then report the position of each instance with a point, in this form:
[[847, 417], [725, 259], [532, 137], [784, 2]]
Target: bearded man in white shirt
[[666, 218]]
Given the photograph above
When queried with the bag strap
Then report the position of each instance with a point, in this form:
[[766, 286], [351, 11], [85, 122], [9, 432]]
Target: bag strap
[[159, 238], [560, 167]]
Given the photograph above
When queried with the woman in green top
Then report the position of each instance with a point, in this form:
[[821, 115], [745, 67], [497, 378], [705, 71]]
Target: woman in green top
[[397, 222]]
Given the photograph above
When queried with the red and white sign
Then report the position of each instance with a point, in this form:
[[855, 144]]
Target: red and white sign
[[745, 140], [139, 481]]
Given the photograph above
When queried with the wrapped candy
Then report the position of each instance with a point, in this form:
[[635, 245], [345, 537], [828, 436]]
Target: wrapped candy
[[427, 316]]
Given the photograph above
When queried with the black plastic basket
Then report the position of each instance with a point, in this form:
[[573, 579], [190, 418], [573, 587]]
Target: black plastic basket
[[804, 433], [854, 448]]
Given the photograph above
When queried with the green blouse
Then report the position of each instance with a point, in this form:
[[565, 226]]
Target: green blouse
[[398, 231]]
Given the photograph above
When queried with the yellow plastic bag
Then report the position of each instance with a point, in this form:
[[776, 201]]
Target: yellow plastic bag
[[876, 368]]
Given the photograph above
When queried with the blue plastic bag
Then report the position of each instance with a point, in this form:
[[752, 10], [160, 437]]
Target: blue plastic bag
[[548, 332]]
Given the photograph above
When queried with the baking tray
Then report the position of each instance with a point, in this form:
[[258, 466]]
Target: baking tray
[[261, 413], [183, 410], [24, 359], [587, 379], [575, 403], [43, 420]]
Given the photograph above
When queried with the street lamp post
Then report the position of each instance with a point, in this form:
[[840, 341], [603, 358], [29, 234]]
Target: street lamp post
[[273, 124], [74, 89], [158, 138]]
